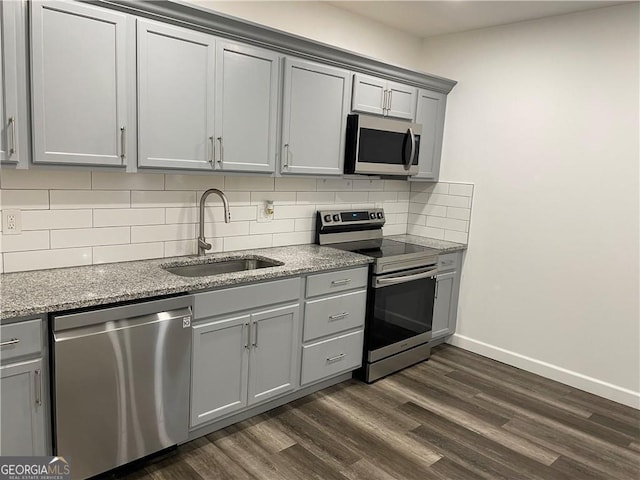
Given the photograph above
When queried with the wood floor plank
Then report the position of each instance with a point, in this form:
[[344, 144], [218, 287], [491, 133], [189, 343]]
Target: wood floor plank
[[456, 416]]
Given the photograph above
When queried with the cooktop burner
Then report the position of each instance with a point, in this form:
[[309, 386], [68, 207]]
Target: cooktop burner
[[391, 248]]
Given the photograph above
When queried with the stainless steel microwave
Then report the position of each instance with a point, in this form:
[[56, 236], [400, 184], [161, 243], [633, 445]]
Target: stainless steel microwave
[[381, 146]]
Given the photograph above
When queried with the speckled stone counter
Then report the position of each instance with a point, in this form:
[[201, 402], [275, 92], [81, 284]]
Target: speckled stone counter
[[30, 293], [442, 245]]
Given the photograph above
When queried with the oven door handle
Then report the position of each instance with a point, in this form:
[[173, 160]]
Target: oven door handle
[[379, 282]]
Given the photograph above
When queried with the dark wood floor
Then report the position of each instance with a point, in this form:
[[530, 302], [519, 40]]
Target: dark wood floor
[[457, 416]]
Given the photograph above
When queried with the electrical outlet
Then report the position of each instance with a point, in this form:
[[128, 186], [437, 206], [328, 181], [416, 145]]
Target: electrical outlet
[[265, 212], [11, 222]]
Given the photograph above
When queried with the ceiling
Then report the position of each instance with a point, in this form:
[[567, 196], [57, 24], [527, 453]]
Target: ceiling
[[430, 18]]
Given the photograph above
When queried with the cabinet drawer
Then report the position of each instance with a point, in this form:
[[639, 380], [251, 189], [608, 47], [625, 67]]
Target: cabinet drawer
[[326, 316], [20, 339], [330, 357], [333, 282], [246, 297], [448, 261]]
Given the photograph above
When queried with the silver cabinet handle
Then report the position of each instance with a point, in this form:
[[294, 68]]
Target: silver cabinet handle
[[338, 316], [344, 281], [337, 358], [437, 283], [413, 147], [212, 156], [38, 380], [221, 159], [123, 142], [286, 155], [12, 147], [248, 328], [255, 335], [11, 341], [390, 99], [384, 102]]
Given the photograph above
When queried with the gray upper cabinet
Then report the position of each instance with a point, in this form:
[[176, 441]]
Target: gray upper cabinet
[[14, 146], [175, 97], [273, 362], [83, 103], [315, 107], [430, 113], [21, 409], [247, 87], [381, 97]]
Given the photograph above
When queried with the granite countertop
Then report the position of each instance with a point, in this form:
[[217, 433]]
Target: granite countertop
[[24, 294], [443, 246]]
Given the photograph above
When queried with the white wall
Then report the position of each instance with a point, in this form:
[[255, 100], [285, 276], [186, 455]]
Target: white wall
[[545, 121], [328, 24]]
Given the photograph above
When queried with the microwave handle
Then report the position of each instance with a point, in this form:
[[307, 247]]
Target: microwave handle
[[409, 160]]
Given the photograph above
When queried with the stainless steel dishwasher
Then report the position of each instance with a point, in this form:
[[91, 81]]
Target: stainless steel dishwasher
[[121, 383]]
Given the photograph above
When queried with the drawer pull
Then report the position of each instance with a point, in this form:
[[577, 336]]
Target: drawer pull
[[337, 358], [13, 341], [38, 381], [338, 316], [344, 281]]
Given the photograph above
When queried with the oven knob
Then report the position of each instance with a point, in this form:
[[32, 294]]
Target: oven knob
[[327, 218], [372, 215], [380, 215], [336, 218]]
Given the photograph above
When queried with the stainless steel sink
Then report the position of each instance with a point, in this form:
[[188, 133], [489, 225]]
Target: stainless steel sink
[[222, 266]]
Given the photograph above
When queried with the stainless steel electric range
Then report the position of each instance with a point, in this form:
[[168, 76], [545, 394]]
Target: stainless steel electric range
[[400, 297]]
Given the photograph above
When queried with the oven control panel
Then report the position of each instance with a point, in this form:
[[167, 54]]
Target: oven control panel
[[334, 218]]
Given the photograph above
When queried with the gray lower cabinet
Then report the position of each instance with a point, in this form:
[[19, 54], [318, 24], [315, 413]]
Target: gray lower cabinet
[[242, 359], [445, 309], [430, 114], [315, 108], [23, 397], [82, 95]]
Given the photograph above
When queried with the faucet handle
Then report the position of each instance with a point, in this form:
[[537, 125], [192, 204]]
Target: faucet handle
[[203, 244]]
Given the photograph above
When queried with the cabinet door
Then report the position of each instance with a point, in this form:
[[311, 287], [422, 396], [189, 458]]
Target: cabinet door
[[443, 303], [402, 101], [9, 131], [273, 366], [175, 97], [247, 81], [430, 113], [368, 94], [81, 99], [219, 369], [21, 409], [316, 102]]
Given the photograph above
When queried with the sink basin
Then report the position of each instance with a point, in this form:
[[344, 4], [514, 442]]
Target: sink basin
[[222, 266]]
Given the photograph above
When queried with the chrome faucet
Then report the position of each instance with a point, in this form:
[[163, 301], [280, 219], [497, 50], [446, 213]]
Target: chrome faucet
[[203, 246]]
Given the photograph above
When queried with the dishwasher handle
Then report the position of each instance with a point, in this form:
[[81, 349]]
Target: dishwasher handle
[[132, 314]]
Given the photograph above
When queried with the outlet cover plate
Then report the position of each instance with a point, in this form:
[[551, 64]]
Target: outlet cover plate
[[11, 222]]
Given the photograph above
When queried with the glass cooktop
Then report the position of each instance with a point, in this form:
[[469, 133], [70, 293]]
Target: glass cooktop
[[393, 248]]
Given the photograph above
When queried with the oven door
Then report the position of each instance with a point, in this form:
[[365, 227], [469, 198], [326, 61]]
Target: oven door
[[400, 310]]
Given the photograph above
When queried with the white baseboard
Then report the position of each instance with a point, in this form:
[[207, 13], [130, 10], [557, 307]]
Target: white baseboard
[[559, 374]]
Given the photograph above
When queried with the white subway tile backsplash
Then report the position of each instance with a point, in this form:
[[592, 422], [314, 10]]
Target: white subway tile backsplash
[[426, 209], [460, 237], [116, 217], [30, 240], [429, 232], [251, 184], [44, 179], [404, 196], [25, 199], [352, 197], [40, 259], [126, 253], [153, 199], [54, 219], [234, 198], [368, 185], [417, 219], [383, 196], [459, 213], [286, 184], [295, 238], [395, 229], [179, 248], [315, 197], [193, 182], [305, 224], [396, 186], [249, 241], [450, 200], [294, 211], [126, 181], [278, 198], [396, 207], [274, 226], [160, 233], [463, 189], [447, 223], [221, 229], [334, 184], [89, 237], [70, 199]]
